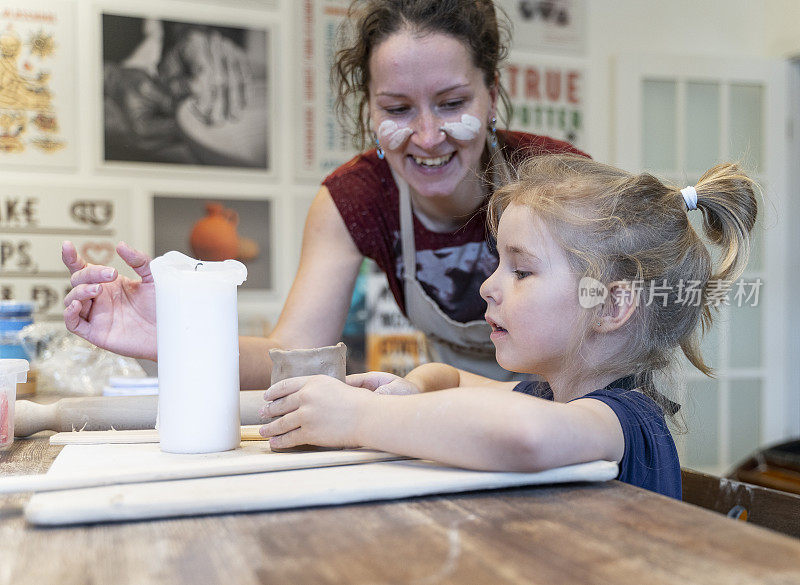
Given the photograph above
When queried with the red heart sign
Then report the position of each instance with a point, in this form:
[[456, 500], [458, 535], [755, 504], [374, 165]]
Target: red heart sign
[[98, 252]]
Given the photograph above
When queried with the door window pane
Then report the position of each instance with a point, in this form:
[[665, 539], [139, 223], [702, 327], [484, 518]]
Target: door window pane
[[659, 128], [755, 263], [702, 420], [746, 125], [709, 345], [745, 418], [702, 125], [745, 323]]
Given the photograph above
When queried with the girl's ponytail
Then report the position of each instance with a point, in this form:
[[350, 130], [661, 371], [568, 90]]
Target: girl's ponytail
[[727, 199]]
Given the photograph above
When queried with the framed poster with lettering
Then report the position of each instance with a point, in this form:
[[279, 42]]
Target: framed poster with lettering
[[38, 76], [217, 228], [548, 96], [548, 26], [33, 223], [188, 93], [322, 144]]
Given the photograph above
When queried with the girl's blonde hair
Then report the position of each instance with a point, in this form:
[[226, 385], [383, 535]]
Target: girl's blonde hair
[[617, 226]]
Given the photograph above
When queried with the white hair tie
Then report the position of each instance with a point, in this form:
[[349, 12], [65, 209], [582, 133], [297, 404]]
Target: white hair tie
[[690, 197]]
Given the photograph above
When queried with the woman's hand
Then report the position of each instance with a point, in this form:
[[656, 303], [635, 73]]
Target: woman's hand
[[314, 410], [383, 383], [111, 311]]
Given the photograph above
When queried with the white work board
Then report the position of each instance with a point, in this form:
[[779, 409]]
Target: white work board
[[338, 477]]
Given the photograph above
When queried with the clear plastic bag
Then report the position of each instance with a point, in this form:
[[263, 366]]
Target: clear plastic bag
[[69, 365]]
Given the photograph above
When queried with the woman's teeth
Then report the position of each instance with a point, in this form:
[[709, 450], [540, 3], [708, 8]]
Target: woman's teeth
[[432, 162]]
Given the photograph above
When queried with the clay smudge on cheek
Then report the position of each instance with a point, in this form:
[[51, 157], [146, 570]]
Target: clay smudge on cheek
[[466, 129], [391, 135]]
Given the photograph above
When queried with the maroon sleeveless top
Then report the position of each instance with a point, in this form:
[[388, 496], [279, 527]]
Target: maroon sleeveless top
[[450, 266]]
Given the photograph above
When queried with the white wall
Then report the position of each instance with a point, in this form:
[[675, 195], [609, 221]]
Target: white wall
[[782, 20]]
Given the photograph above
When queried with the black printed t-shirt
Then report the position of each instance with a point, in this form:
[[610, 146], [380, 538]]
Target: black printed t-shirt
[[650, 460]]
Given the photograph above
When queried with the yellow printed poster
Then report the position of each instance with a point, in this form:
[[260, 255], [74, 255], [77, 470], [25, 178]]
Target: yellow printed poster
[[37, 83]]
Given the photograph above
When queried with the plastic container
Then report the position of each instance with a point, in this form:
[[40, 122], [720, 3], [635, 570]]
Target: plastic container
[[12, 372], [129, 386], [14, 315]]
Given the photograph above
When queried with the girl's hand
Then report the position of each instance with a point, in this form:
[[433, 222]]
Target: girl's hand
[[383, 383], [314, 410]]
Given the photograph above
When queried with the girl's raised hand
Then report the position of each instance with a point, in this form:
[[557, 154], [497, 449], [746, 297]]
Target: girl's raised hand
[[382, 383], [314, 410]]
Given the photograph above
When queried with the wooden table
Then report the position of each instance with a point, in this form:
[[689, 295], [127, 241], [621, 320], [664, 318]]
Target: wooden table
[[587, 534]]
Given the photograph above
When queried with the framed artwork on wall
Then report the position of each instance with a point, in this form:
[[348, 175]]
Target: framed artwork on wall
[[548, 26], [34, 220], [548, 96], [322, 144], [218, 228], [38, 84], [187, 94]]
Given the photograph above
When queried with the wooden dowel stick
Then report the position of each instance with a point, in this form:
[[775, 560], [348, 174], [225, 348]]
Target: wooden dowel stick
[[256, 463]]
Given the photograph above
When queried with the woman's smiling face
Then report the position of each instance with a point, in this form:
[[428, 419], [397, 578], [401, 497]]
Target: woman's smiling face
[[418, 85]]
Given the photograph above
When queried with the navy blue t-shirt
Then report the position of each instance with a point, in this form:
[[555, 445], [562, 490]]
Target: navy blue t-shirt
[[650, 460]]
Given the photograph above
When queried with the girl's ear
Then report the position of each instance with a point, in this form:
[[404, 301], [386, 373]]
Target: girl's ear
[[619, 306]]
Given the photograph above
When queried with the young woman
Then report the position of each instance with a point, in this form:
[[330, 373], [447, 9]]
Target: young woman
[[567, 222], [422, 77]]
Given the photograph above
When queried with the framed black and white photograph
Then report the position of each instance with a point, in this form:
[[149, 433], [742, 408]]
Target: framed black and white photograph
[[548, 26], [218, 228], [186, 93]]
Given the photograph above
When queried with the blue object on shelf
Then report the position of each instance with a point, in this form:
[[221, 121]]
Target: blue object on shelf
[[14, 315]]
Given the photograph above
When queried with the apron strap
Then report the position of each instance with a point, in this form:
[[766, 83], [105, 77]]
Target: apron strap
[[406, 234]]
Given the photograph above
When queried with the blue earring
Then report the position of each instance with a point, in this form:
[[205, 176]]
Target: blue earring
[[493, 130], [378, 148]]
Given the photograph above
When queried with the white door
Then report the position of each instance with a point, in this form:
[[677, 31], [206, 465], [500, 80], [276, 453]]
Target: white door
[[676, 117]]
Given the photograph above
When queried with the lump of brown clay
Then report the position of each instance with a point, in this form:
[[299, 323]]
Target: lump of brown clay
[[289, 363]]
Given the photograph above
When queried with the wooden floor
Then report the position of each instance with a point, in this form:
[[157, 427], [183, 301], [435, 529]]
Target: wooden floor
[[587, 534]]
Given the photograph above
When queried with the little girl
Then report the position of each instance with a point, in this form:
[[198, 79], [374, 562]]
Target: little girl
[[591, 293]]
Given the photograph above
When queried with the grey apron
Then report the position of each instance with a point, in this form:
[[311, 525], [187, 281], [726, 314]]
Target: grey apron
[[464, 345]]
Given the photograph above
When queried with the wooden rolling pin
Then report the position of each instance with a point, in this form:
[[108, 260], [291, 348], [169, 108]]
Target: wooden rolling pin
[[101, 413]]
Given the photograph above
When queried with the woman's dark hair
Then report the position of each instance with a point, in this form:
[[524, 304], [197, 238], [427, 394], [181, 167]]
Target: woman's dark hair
[[370, 22]]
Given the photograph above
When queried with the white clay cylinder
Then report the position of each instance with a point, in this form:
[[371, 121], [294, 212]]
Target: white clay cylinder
[[198, 353]]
